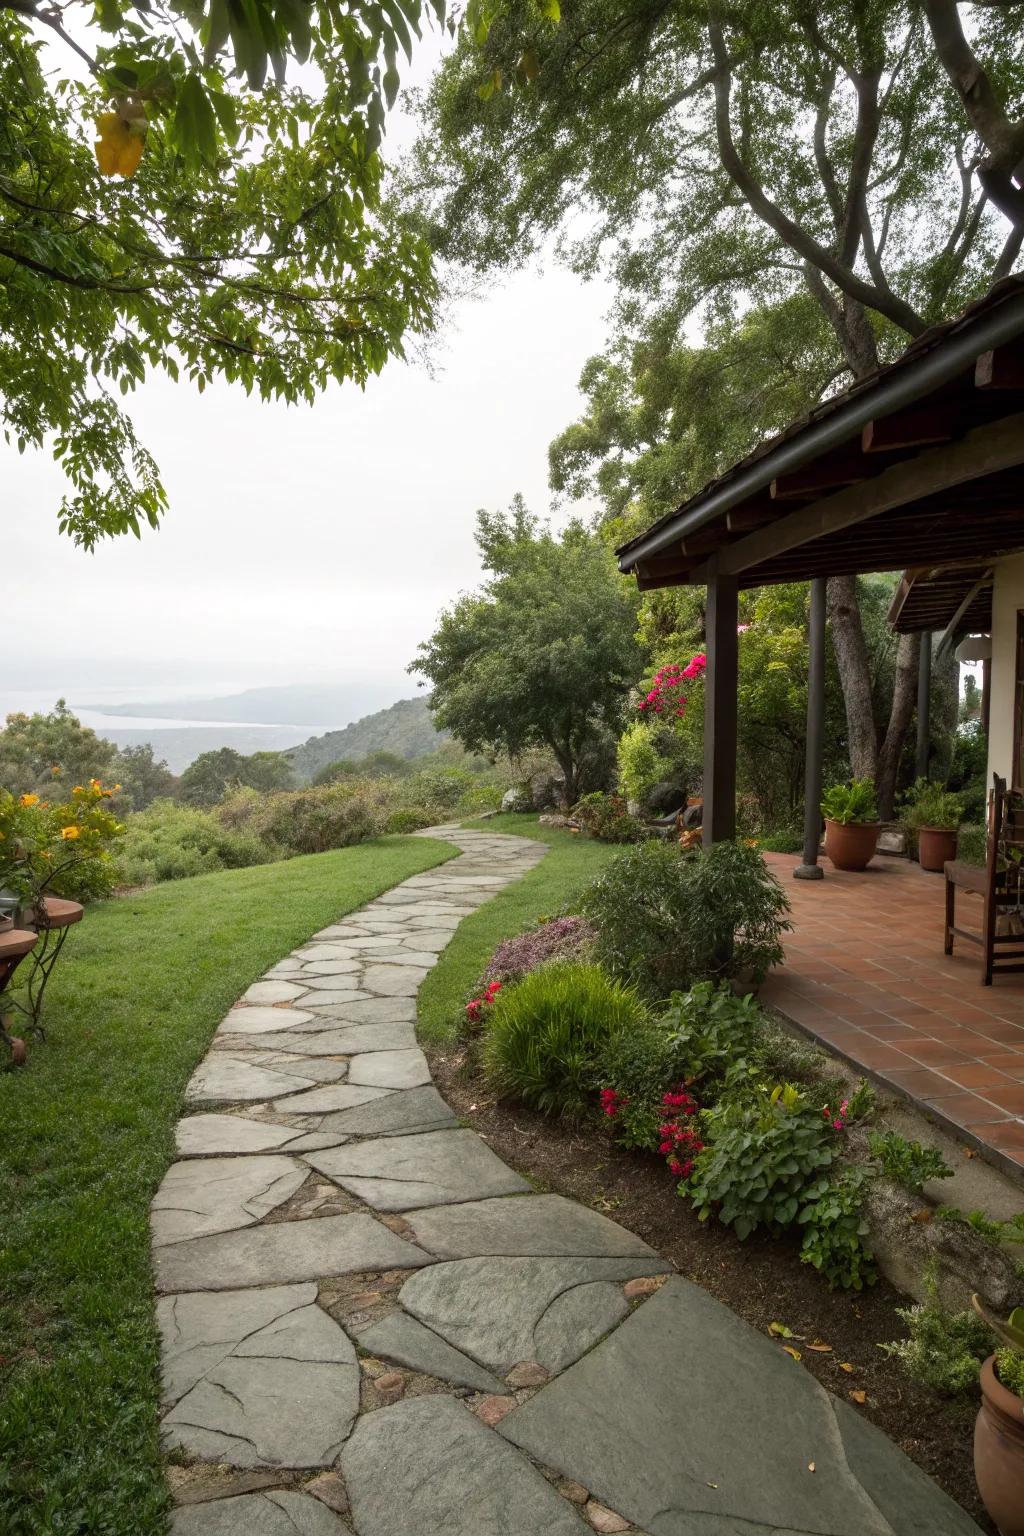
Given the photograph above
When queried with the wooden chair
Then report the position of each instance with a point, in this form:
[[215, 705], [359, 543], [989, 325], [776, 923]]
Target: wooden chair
[[1000, 884]]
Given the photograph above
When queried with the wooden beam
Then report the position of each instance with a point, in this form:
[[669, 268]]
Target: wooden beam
[[1001, 369], [844, 466], [746, 519], [946, 638], [984, 451], [721, 684], [914, 428]]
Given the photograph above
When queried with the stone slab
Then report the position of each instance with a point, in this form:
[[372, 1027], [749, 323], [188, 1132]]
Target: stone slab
[[429, 1467], [400, 1173], [393, 980], [330, 981], [502, 1311], [542, 1226], [212, 1135], [323, 1068], [225, 1078], [390, 1069], [367, 1010], [340, 1039], [199, 1329], [407, 1342], [274, 1512], [273, 992], [283, 1253], [626, 1428], [286, 1394], [220, 1194], [397, 1114], [330, 1096], [258, 1021]]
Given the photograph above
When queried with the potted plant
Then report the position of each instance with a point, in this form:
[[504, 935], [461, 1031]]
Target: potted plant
[[934, 815], [999, 1429], [851, 823]]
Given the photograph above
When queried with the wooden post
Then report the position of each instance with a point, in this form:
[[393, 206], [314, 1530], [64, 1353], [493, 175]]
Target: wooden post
[[924, 701], [718, 823], [986, 694], [810, 869]]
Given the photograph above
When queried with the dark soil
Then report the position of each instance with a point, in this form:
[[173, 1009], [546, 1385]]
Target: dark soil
[[761, 1279]]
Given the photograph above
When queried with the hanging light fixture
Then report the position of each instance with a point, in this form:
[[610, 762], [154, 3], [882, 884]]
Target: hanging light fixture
[[974, 648]]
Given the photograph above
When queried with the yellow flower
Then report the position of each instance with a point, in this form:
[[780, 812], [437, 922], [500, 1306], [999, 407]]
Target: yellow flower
[[119, 146], [29, 800], [70, 832], [78, 790], [55, 770]]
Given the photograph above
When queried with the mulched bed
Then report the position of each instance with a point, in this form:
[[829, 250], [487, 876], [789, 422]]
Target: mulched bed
[[761, 1280]]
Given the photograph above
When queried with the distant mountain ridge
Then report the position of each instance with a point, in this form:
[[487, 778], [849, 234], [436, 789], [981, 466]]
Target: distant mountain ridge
[[308, 704], [406, 729]]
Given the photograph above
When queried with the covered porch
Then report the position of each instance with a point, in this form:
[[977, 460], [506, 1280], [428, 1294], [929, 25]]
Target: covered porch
[[865, 974]]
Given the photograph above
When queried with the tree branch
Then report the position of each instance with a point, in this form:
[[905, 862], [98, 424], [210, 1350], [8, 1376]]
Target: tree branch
[[797, 238], [49, 19]]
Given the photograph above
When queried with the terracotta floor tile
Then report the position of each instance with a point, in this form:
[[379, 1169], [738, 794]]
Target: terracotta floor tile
[[935, 1053], [1010, 1097], [978, 1075], [967, 1109], [918, 1082]]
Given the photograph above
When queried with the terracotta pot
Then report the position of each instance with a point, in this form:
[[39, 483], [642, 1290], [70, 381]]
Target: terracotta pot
[[999, 1452], [851, 845], [935, 847]]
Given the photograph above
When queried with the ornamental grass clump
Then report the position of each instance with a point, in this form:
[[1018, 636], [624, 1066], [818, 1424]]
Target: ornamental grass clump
[[545, 1034], [561, 938], [666, 920], [945, 1349]]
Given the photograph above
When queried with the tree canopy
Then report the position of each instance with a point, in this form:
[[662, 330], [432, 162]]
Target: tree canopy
[[223, 224], [544, 655]]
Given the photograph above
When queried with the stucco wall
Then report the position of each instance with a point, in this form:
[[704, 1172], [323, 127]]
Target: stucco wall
[[1007, 597]]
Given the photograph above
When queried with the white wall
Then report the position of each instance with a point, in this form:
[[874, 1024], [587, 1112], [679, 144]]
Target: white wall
[[1007, 598]]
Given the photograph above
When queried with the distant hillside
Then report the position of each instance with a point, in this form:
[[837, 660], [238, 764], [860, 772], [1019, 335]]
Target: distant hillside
[[291, 704], [405, 729]]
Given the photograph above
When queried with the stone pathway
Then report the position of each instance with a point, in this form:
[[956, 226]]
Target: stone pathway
[[372, 1327]]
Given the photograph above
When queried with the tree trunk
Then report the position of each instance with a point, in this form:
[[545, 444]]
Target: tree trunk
[[904, 697], [854, 673]]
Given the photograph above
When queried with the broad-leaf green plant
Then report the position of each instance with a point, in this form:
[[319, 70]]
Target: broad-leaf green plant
[[851, 804]]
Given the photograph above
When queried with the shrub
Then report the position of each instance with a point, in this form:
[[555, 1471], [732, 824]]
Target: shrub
[[945, 1349], [561, 938], [546, 1033], [972, 845], [929, 805], [768, 1159], [58, 848], [606, 818], [850, 804], [835, 1232], [665, 920], [408, 819], [908, 1163], [168, 841], [1010, 1370], [640, 764], [636, 1068]]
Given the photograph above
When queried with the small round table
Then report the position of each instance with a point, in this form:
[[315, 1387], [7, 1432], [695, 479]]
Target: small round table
[[15, 944]]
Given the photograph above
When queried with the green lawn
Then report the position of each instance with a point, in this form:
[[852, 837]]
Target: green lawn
[[572, 862], [86, 1134]]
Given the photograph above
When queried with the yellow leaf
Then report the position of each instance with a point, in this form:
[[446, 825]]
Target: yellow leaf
[[859, 1397], [845, 1365], [923, 1216], [780, 1331], [120, 143], [791, 1351], [810, 1466], [820, 1348]]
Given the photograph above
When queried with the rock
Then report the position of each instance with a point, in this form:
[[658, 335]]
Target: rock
[[283, 1253], [330, 1489], [518, 798], [257, 1378], [399, 1173], [218, 1194], [643, 1285], [389, 1387], [504, 1311], [624, 1426], [554, 820], [200, 1481], [390, 1069], [401, 1338], [275, 1512], [491, 1410], [397, 1114], [665, 799], [964, 1261], [258, 1021], [603, 1519], [528, 1373], [428, 1466], [547, 789], [540, 1224]]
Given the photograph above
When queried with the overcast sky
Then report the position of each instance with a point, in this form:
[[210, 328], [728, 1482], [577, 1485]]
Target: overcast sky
[[301, 543]]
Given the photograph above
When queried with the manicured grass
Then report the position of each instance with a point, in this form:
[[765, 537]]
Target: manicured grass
[[573, 861], [86, 1134]]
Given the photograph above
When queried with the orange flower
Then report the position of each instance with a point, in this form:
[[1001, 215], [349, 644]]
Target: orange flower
[[68, 833], [29, 800]]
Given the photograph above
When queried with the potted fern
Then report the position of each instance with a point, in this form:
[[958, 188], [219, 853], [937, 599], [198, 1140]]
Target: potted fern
[[934, 815], [999, 1430], [851, 823]]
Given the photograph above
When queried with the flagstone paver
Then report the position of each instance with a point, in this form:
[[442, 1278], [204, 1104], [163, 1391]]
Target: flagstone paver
[[548, 1390]]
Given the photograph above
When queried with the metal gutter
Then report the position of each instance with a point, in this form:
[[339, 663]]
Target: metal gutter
[[918, 377]]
